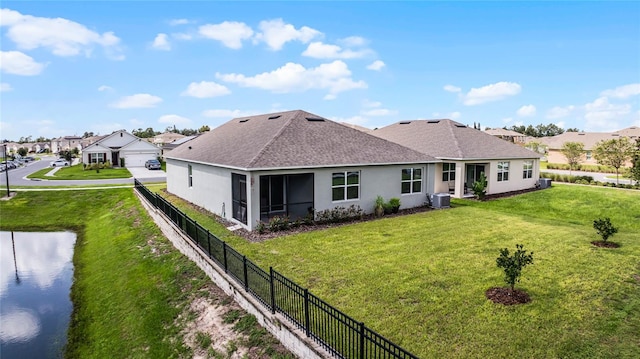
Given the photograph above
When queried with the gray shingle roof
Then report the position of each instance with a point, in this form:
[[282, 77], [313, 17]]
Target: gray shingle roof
[[446, 139], [589, 139], [290, 140]]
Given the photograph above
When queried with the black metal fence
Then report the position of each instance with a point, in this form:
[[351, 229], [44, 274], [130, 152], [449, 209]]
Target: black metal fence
[[339, 334]]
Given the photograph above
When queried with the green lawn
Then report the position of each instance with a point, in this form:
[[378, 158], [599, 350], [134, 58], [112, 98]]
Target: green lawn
[[420, 279], [78, 173], [131, 289]]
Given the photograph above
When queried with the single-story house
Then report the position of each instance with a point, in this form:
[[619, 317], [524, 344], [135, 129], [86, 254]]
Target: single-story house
[[119, 147], [507, 135], [588, 139], [167, 147], [166, 137], [293, 163], [465, 153]]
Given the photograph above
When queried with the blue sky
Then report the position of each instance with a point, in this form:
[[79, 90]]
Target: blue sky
[[71, 67]]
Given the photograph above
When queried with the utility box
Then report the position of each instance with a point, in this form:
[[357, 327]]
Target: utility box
[[544, 182], [440, 200]]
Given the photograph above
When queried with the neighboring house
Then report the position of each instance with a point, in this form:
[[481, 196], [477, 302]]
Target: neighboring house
[[507, 135], [167, 147], [120, 145], [588, 139], [466, 153], [87, 141], [357, 127], [292, 163], [66, 143], [166, 137]]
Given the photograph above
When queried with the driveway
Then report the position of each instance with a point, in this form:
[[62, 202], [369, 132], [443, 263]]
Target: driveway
[[145, 175]]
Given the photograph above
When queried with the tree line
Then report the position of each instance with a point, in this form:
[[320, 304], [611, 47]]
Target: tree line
[[540, 130], [150, 132]]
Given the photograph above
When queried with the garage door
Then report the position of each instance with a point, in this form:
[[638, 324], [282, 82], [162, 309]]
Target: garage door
[[137, 160]]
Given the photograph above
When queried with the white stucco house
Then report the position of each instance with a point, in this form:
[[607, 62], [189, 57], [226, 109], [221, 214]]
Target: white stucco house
[[120, 145], [290, 163], [464, 153]]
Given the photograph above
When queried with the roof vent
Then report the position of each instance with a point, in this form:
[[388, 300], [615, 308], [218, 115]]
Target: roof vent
[[433, 121], [460, 125], [581, 134], [245, 120], [315, 119], [615, 134], [405, 122], [274, 117]]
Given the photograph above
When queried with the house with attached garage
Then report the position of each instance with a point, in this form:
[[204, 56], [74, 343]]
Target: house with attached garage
[[120, 148], [292, 163], [464, 154]]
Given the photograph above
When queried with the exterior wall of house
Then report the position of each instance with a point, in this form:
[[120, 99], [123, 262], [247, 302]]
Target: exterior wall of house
[[555, 156], [118, 139], [86, 154], [212, 187], [515, 181]]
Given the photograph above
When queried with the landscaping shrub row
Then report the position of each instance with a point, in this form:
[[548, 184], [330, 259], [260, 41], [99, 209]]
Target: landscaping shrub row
[[584, 180], [581, 167]]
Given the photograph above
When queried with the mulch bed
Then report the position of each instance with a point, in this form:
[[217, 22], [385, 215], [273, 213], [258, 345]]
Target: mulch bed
[[604, 244], [502, 295]]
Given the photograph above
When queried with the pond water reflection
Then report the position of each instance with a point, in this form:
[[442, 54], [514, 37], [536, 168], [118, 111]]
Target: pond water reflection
[[36, 272]]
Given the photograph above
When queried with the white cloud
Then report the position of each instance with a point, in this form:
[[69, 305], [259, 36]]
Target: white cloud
[[174, 120], [492, 92], [560, 112], [603, 115], [141, 100], [379, 112], [353, 41], [205, 89], [319, 50], [376, 65], [451, 88], [329, 97], [176, 22], [182, 36], [17, 63], [623, 92], [526, 111], [220, 113], [105, 88], [161, 42], [275, 33], [230, 33], [63, 37], [334, 77], [560, 124], [5, 87]]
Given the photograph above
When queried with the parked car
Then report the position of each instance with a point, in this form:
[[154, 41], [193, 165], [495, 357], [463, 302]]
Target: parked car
[[153, 164], [29, 158], [59, 163], [3, 167]]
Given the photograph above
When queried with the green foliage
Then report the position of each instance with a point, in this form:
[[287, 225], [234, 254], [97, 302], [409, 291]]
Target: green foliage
[[261, 227], [573, 152], [378, 209], [339, 214], [203, 340], [479, 187], [604, 228], [634, 171], [513, 264], [614, 152], [22, 151], [279, 223], [538, 131], [582, 167]]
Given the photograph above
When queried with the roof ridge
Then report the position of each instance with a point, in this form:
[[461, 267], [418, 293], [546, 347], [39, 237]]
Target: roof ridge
[[275, 136], [455, 139]]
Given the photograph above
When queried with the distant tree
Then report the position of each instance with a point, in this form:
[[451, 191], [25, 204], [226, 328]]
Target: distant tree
[[148, 133], [538, 131], [530, 131], [87, 134], [204, 128], [188, 132], [22, 151], [42, 139], [572, 151], [634, 171], [614, 153], [512, 265], [572, 130], [536, 147]]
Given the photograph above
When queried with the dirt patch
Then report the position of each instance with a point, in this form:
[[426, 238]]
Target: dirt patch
[[607, 244], [506, 296]]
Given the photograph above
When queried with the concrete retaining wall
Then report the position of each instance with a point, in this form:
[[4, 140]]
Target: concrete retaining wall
[[291, 337]]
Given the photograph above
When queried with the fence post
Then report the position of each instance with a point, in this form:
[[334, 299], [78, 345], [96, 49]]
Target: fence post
[[273, 294], [195, 229], [306, 311], [224, 253], [209, 243], [361, 340], [246, 277]]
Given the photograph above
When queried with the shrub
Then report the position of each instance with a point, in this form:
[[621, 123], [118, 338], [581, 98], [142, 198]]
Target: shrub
[[260, 227], [378, 209], [604, 228], [339, 214], [479, 187], [513, 265], [279, 223]]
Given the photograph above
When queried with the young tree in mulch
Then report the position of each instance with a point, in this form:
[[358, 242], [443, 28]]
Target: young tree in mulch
[[512, 266], [605, 229]]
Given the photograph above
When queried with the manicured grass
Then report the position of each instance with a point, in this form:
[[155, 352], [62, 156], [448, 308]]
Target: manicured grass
[[78, 173], [420, 279], [131, 288], [543, 165]]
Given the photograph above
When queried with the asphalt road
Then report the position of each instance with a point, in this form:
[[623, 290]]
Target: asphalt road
[[597, 176], [18, 176]]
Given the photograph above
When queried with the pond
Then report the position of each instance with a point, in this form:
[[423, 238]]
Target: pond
[[36, 273]]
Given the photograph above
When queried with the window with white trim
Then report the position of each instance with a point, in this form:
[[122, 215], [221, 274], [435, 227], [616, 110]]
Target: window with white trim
[[588, 155], [411, 180], [527, 169], [190, 169], [503, 171], [345, 185], [448, 172], [97, 157]]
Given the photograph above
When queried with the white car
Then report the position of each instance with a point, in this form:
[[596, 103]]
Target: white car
[[59, 163]]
